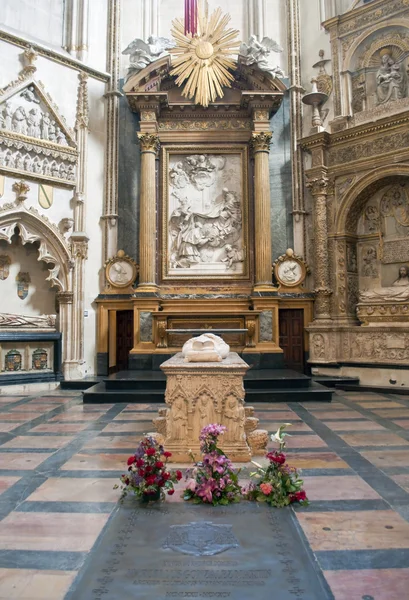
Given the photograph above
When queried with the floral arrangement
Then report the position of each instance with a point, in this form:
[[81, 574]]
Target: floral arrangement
[[278, 484], [147, 475], [213, 480]]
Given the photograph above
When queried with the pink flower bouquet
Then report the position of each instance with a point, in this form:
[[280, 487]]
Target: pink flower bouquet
[[213, 480]]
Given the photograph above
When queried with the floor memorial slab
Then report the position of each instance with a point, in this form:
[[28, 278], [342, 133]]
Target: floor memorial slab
[[186, 551]]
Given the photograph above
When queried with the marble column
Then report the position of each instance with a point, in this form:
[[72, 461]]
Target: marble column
[[147, 234], [319, 189], [260, 143]]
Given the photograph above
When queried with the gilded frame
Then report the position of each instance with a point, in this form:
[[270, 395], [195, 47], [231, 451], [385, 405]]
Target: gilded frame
[[167, 151]]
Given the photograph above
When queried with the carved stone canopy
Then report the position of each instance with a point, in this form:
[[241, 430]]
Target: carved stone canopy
[[35, 139], [153, 92]]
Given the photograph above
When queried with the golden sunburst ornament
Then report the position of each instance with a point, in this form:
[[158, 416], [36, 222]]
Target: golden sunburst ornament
[[203, 60]]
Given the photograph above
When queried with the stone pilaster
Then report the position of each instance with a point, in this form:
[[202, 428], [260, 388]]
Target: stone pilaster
[[260, 144], [65, 300], [319, 190], [112, 96], [296, 92], [147, 234]]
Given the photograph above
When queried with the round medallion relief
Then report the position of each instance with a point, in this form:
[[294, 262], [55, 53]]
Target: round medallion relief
[[290, 272], [121, 273]]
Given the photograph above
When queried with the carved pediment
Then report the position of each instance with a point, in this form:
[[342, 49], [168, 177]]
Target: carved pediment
[[155, 80], [34, 136]]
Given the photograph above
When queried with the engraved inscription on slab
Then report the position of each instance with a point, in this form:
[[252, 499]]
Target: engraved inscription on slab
[[201, 539], [395, 251]]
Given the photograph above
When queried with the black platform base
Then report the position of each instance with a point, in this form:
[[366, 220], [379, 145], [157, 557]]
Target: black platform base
[[266, 385]]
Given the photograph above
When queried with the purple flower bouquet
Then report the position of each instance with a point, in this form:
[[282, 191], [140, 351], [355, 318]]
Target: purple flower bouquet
[[213, 480]]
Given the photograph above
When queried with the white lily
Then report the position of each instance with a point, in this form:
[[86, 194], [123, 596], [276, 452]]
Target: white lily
[[280, 435]]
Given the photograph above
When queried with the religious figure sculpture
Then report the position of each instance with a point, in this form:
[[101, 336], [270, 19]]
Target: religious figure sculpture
[[205, 411], [45, 124], [29, 94], [398, 292], [143, 54], [233, 256], [205, 348], [235, 417], [192, 231], [7, 116], [177, 425], [256, 53], [8, 320], [34, 120], [19, 123], [391, 78]]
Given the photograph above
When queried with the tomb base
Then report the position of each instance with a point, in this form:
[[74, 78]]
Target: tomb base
[[201, 393]]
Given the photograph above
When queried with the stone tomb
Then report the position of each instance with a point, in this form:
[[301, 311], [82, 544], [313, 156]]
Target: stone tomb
[[200, 393]]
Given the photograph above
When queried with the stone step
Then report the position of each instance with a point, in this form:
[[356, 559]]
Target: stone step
[[316, 392]]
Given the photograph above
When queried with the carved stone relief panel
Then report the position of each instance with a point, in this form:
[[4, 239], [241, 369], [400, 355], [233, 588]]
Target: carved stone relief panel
[[205, 207], [34, 137]]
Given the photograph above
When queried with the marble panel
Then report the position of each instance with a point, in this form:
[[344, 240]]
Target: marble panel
[[145, 327], [266, 326], [128, 181]]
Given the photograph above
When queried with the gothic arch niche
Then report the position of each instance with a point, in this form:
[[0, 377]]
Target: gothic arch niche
[[38, 298], [373, 240], [54, 252], [52, 248], [375, 71]]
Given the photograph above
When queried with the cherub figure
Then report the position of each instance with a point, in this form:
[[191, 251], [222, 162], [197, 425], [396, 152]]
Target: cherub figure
[[142, 53], [256, 53]]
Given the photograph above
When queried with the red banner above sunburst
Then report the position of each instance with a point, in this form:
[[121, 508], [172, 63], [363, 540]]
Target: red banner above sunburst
[[190, 17]]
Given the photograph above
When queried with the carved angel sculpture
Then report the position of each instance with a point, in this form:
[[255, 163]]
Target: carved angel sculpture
[[256, 53], [142, 53]]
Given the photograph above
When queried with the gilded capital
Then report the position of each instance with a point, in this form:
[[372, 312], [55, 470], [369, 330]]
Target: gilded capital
[[318, 186], [149, 142], [260, 142]]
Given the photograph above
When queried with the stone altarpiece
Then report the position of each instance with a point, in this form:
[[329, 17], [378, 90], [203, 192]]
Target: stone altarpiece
[[204, 247], [357, 175]]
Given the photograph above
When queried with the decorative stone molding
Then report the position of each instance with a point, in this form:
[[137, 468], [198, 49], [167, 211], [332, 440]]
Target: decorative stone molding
[[205, 125], [318, 185], [53, 55], [65, 297], [82, 118], [383, 313], [149, 142]]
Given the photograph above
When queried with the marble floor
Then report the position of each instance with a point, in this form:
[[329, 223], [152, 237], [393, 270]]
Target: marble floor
[[60, 460]]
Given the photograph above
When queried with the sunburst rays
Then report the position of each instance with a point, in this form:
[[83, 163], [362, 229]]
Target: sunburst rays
[[203, 60]]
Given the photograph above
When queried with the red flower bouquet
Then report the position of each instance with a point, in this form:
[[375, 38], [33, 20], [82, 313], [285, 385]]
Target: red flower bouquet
[[278, 484], [148, 477]]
